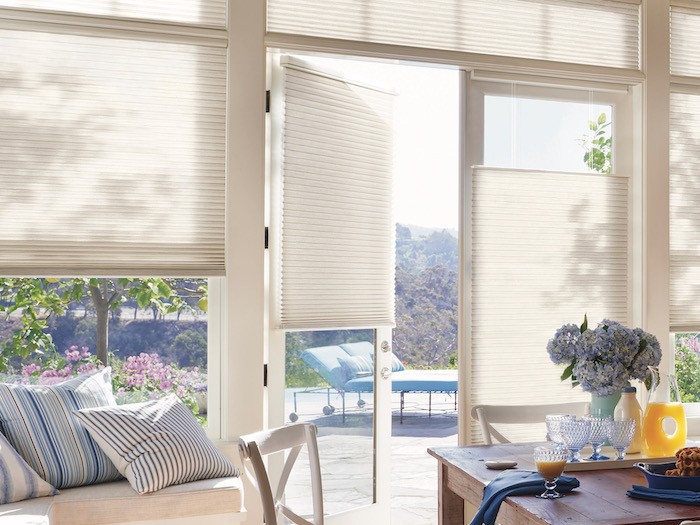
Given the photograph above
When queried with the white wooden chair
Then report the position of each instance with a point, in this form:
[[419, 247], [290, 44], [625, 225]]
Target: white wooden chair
[[690, 522], [487, 415], [253, 447]]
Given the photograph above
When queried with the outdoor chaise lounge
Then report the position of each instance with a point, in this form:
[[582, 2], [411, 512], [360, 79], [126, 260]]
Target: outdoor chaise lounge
[[349, 368]]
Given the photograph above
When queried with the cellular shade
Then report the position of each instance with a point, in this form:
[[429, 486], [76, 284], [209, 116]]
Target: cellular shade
[[684, 188], [337, 232], [112, 156], [596, 32], [685, 41], [197, 12], [547, 248]]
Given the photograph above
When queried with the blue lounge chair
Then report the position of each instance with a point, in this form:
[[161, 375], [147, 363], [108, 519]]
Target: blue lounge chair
[[349, 368]]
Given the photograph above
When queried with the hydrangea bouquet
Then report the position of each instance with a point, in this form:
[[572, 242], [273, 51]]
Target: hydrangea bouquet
[[603, 360]]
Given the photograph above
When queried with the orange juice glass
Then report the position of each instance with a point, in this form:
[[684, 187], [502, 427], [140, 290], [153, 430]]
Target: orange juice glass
[[656, 442]]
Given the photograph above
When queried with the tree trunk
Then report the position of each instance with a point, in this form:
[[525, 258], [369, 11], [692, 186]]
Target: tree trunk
[[102, 332], [101, 302]]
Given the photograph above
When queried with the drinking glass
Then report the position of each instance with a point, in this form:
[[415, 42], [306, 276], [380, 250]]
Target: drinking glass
[[550, 462], [620, 435], [575, 433], [599, 433], [553, 422]]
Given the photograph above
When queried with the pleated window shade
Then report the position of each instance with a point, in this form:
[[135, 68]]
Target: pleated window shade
[[594, 32], [337, 230], [547, 248], [685, 212], [112, 156], [685, 41], [210, 13]]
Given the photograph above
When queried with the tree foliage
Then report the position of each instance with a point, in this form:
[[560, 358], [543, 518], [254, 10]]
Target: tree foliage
[[36, 300], [598, 155]]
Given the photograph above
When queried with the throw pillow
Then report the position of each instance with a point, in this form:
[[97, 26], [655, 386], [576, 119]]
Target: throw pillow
[[156, 444], [17, 480], [38, 422], [356, 366]]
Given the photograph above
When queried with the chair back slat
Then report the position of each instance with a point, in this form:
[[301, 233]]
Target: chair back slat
[[253, 447], [488, 415]]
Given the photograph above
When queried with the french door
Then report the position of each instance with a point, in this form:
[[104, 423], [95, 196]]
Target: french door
[[331, 252]]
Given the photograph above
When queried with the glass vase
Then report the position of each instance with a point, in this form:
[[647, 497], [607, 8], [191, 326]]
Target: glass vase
[[604, 406]]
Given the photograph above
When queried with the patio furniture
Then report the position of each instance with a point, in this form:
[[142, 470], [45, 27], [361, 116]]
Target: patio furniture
[[253, 447], [487, 415], [339, 366]]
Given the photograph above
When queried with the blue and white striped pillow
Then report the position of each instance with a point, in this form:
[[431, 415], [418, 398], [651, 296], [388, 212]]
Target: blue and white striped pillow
[[17, 480], [156, 444], [38, 422]]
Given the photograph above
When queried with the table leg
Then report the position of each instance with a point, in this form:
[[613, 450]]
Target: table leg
[[450, 505]]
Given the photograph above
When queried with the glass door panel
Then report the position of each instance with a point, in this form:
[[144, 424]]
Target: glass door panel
[[329, 381]]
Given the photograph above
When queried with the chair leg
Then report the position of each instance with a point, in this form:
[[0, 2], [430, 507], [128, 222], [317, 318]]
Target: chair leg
[[342, 395], [430, 404], [401, 410]]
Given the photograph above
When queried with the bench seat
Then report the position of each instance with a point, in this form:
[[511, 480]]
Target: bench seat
[[209, 501]]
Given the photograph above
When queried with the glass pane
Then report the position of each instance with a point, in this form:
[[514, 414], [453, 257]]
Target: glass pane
[[156, 333], [531, 133], [330, 382]]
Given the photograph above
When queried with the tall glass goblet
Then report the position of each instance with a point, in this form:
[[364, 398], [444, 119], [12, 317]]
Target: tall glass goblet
[[599, 433], [553, 422], [620, 435], [575, 433], [550, 462]]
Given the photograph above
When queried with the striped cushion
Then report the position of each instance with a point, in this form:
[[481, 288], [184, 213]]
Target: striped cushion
[[17, 480], [356, 366], [38, 422], [156, 444]]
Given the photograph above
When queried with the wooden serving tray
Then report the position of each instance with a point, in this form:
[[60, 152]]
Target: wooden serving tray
[[628, 462]]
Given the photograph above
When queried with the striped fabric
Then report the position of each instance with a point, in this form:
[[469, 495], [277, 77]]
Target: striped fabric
[[356, 366], [38, 422], [156, 444], [17, 480]]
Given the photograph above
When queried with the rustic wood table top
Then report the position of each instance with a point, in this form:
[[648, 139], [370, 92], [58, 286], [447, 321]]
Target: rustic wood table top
[[601, 499]]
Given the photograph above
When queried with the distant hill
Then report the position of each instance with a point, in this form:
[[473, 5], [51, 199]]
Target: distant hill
[[423, 231]]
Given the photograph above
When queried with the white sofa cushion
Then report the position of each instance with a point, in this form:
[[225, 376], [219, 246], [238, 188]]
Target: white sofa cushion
[[117, 502], [17, 480], [156, 444], [38, 422]]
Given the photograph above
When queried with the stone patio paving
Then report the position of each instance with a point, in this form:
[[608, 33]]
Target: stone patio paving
[[346, 458]]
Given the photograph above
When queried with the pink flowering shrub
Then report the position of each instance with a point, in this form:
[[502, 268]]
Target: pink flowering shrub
[[134, 379]]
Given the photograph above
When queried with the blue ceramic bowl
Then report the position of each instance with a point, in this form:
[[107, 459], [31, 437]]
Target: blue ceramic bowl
[[657, 479]]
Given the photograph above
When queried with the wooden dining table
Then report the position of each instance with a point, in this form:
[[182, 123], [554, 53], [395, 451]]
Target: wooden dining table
[[601, 498]]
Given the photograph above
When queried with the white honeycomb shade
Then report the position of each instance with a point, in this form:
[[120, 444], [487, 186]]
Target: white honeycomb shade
[[112, 156], [547, 248], [337, 228], [206, 13], [593, 32], [685, 41], [685, 212]]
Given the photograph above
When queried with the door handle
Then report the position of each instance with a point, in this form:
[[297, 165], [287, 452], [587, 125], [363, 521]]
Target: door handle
[[385, 372]]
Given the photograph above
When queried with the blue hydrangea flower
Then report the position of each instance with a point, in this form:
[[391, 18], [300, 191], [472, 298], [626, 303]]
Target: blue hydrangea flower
[[562, 347], [606, 358]]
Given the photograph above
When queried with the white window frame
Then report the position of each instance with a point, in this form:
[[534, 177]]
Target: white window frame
[[622, 99]]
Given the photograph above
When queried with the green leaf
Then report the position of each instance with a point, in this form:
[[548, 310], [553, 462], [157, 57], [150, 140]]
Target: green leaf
[[584, 326], [203, 304], [592, 125], [602, 118], [568, 372]]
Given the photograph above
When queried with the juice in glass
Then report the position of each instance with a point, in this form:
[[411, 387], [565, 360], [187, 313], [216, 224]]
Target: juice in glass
[[655, 441], [550, 469]]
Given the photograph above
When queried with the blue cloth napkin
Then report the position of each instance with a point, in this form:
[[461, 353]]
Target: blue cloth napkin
[[514, 483], [686, 497]]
